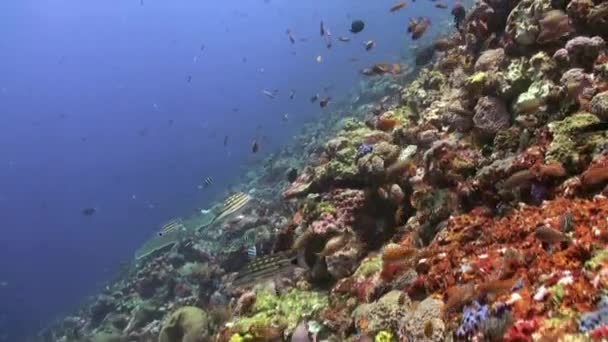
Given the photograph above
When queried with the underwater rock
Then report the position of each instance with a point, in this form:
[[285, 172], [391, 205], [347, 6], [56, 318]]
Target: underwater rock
[[576, 82], [374, 164], [522, 23], [534, 98], [186, 324], [343, 262], [599, 106], [561, 58], [554, 25], [584, 50], [567, 145], [491, 60], [102, 307], [425, 323], [301, 186], [385, 314], [491, 115]]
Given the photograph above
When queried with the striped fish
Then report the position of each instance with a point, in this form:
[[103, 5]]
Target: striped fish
[[266, 267], [232, 204], [207, 182], [172, 226], [252, 252]]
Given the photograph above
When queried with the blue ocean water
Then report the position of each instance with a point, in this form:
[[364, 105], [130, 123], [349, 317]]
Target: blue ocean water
[[123, 106]]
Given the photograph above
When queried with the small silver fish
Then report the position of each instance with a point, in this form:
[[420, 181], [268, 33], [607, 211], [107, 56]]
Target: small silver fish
[[566, 222], [252, 252], [269, 94]]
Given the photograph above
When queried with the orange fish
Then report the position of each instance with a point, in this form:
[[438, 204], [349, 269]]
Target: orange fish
[[418, 26], [397, 6]]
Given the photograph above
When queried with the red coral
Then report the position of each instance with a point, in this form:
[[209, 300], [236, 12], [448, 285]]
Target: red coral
[[364, 290], [390, 270], [600, 334], [521, 331]]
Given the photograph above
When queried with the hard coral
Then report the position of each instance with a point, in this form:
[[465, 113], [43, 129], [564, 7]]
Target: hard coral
[[187, 324]]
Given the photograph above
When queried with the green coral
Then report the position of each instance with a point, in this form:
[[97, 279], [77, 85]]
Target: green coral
[[557, 294], [533, 98], [326, 207], [567, 145], [336, 170], [384, 336], [369, 266], [597, 260], [541, 64], [355, 136], [284, 310], [351, 124], [507, 139]]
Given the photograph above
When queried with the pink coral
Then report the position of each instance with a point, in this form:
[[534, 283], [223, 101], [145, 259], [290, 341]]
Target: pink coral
[[346, 203], [600, 334]]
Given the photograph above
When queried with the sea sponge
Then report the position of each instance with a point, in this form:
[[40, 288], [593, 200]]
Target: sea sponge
[[187, 324]]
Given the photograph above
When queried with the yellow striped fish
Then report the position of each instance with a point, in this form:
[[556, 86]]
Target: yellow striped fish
[[171, 226], [266, 267], [232, 204]]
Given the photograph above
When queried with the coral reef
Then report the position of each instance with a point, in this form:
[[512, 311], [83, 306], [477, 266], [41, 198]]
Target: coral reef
[[463, 201]]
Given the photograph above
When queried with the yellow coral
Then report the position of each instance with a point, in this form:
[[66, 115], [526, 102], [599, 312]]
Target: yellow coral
[[384, 336], [240, 338]]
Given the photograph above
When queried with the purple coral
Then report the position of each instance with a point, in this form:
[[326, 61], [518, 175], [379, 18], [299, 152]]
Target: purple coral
[[364, 149], [595, 319], [472, 318]]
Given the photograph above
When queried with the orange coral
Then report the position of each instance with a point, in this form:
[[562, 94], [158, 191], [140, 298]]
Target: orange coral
[[386, 124]]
